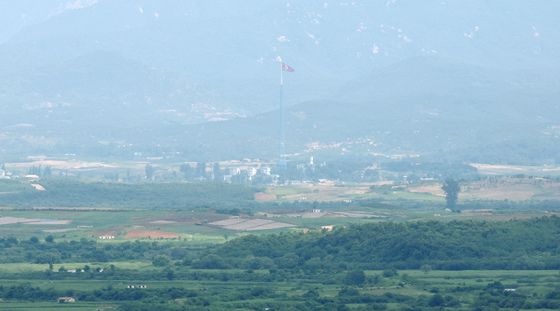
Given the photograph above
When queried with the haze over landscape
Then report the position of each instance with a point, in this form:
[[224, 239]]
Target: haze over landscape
[[279, 155], [201, 78]]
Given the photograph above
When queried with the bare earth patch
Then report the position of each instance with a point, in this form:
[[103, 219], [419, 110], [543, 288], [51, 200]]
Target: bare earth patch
[[349, 214], [63, 165], [496, 169], [163, 222], [264, 197], [433, 189], [499, 189], [144, 234], [323, 191], [32, 221], [59, 230], [243, 224], [49, 222]]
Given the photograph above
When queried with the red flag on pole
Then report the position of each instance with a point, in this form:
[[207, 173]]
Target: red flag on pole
[[287, 68]]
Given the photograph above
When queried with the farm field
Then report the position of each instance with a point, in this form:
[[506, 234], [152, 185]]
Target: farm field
[[211, 225], [490, 188], [35, 267], [461, 289], [502, 169], [54, 306], [208, 227], [98, 251]]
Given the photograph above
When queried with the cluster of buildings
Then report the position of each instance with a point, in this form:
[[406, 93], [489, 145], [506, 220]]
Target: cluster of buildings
[[66, 299], [98, 270], [249, 171], [236, 172], [4, 174], [108, 236]]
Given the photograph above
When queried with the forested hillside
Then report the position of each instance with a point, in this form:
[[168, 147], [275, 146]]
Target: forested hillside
[[530, 244]]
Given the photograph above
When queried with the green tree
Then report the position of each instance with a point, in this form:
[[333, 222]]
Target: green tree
[[426, 268], [47, 171], [436, 301], [187, 171], [388, 273], [161, 261], [169, 274], [150, 171], [451, 188], [355, 277]]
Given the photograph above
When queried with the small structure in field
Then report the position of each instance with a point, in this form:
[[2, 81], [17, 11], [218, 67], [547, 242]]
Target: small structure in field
[[107, 237], [66, 299], [31, 177], [328, 228], [38, 187], [316, 210]]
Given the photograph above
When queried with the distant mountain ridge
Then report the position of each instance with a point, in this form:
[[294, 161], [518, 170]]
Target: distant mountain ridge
[[92, 74], [418, 106]]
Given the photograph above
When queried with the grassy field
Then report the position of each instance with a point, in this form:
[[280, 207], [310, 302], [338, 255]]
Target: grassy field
[[196, 227], [465, 286], [30, 267], [79, 306], [94, 223], [384, 202], [513, 188]]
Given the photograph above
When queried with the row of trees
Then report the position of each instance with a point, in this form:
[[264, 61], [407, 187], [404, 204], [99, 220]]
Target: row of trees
[[50, 251]]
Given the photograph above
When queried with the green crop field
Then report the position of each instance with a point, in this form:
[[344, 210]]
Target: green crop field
[[408, 285], [248, 255], [79, 306]]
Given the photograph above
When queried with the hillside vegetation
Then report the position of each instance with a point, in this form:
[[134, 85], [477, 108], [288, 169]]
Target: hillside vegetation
[[456, 245]]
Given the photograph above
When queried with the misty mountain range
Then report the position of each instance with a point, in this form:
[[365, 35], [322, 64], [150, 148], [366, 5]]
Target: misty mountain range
[[200, 78]]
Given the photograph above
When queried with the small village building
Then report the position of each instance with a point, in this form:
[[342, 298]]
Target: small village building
[[106, 237], [328, 228], [66, 299], [32, 177]]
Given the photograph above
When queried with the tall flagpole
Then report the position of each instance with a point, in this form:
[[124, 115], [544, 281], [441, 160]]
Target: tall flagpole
[[282, 151]]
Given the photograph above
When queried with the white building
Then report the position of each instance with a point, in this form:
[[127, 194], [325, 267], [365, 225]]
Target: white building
[[266, 170], [251, 171]]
